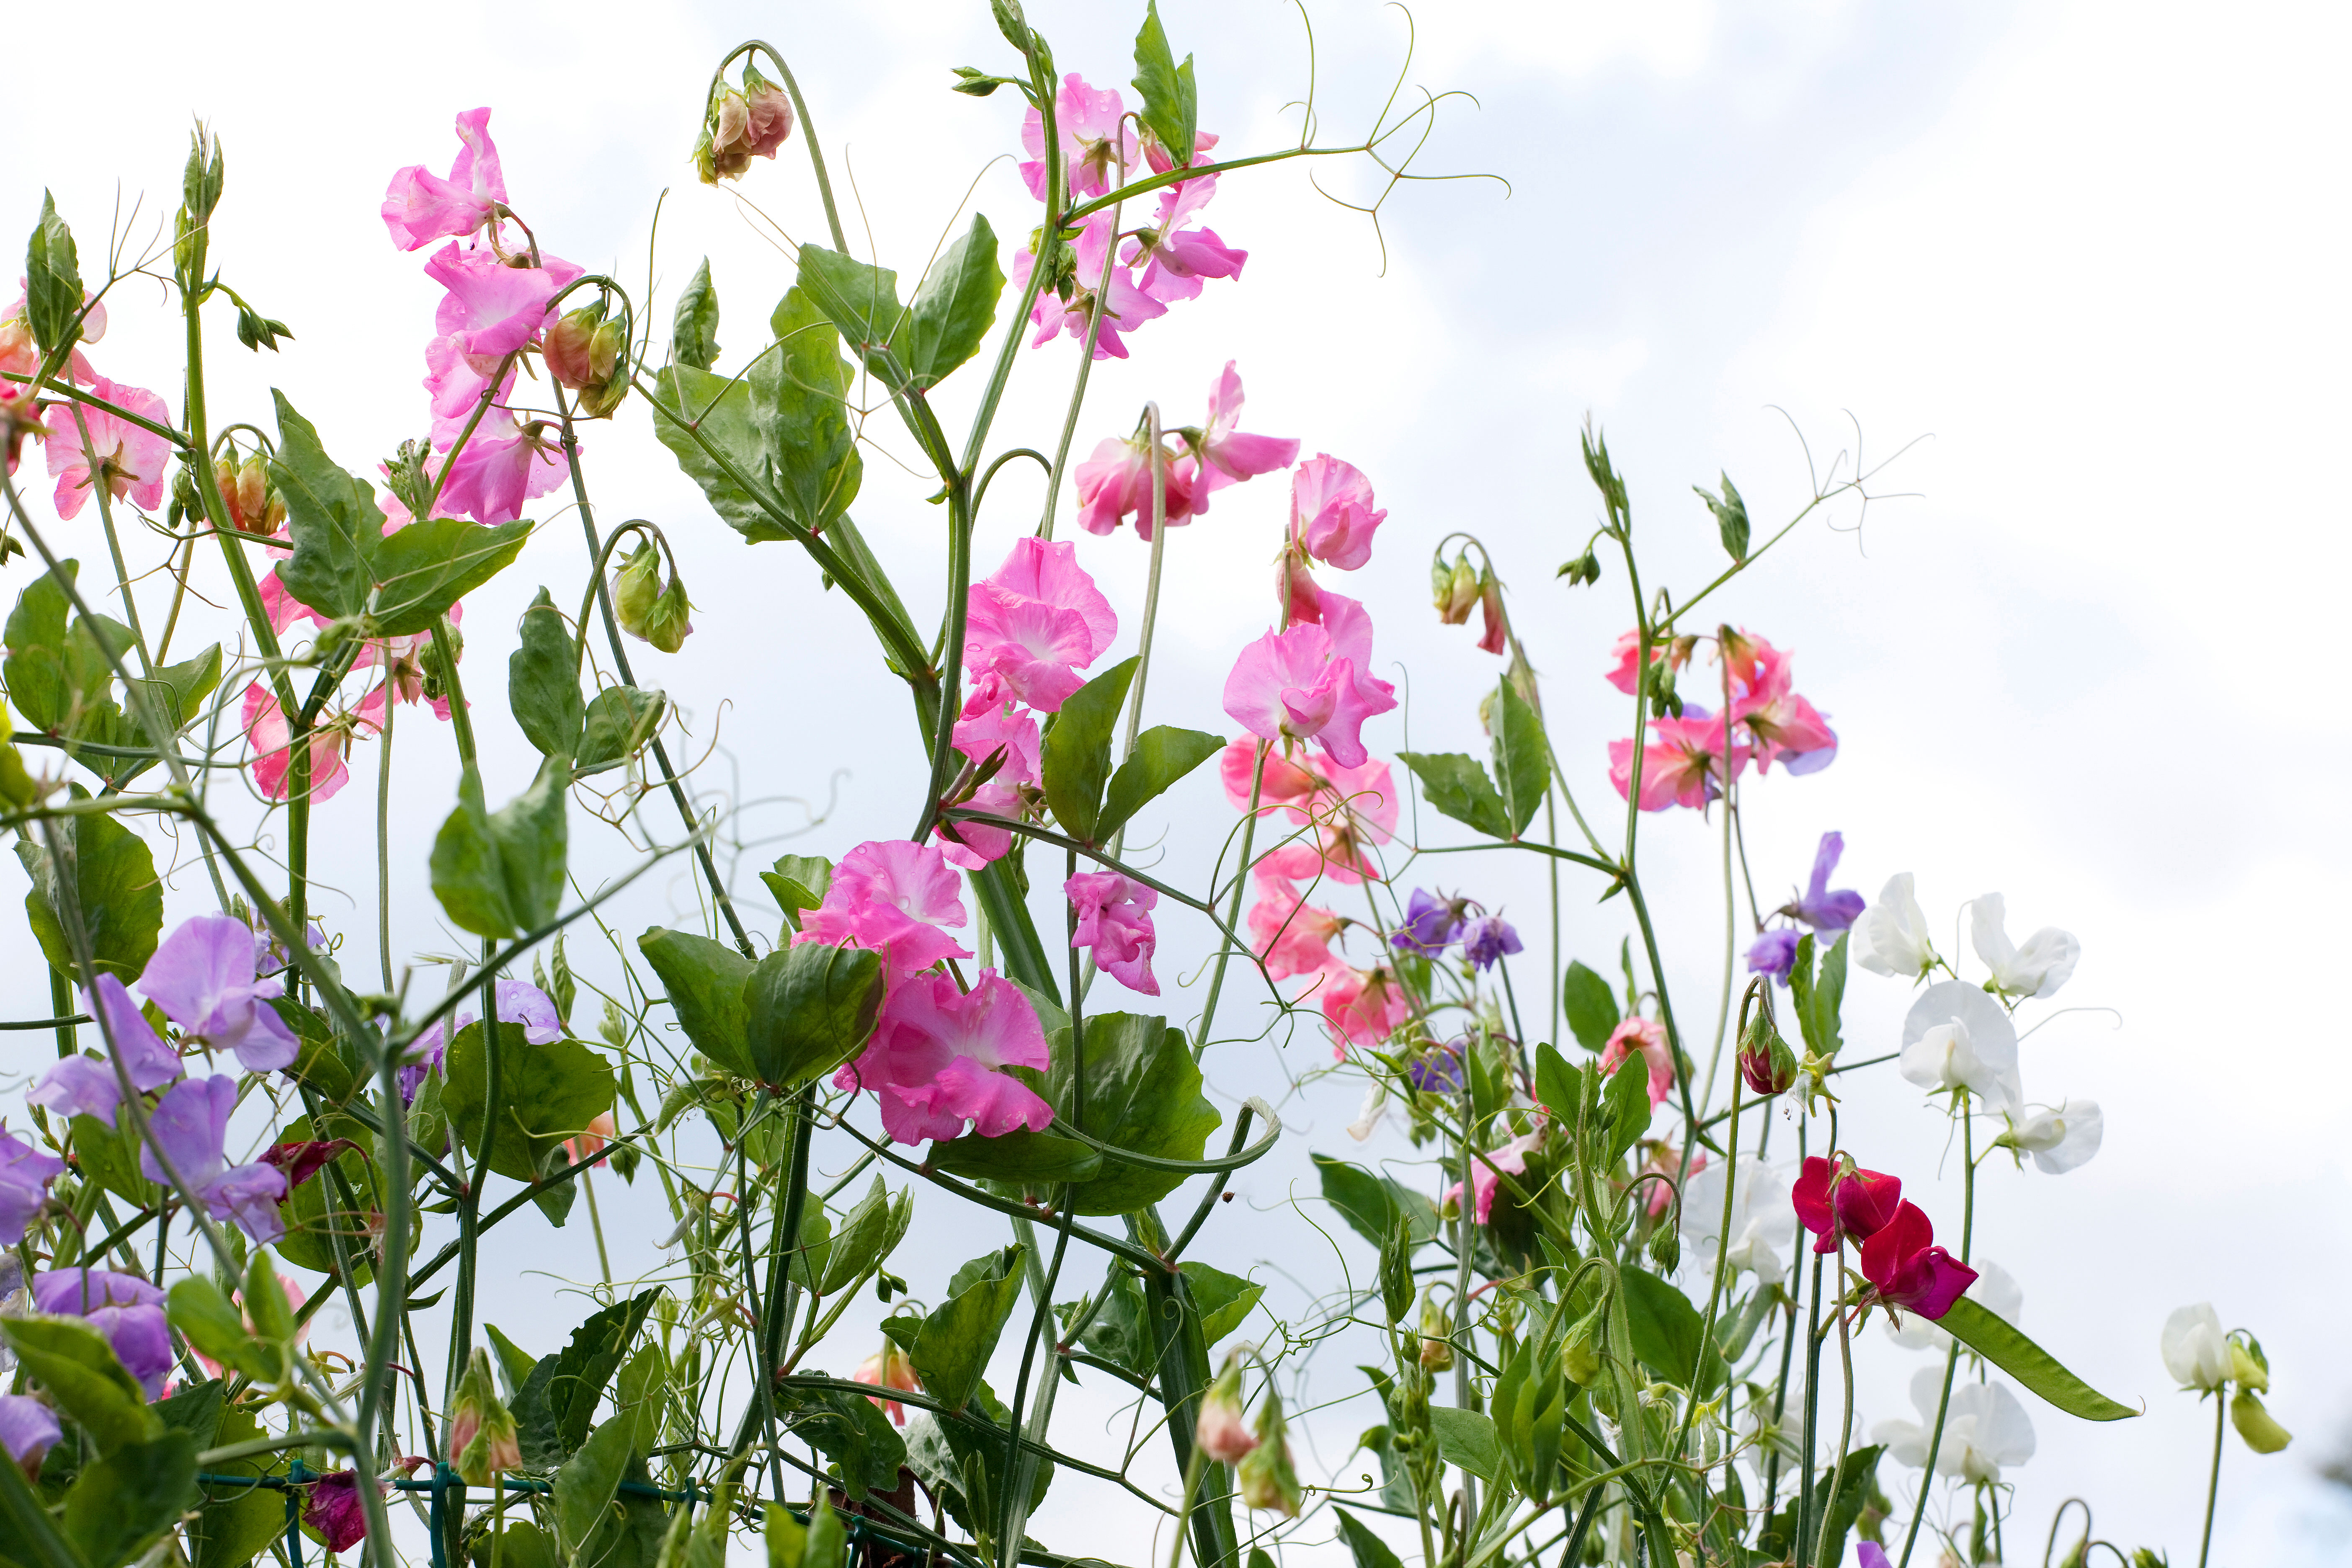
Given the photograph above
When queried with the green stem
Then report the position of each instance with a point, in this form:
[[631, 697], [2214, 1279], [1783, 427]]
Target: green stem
[[1952, 1355], [2213, 1484], [1233, 910]]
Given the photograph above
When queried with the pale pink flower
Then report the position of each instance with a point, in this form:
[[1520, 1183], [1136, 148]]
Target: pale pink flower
[[888, 1368], [271, 735], [504, 464], [1681, 765], [1114, 918], [421, 207], [1125, 306], [1363, 1007], [893, 898], [1291, 936], [1627, 653], [1049, 571], [1668, 1161], [131, 460], [1312, 683], [454, 389], [1283, 779], [1229, 456], [1331, 511], [1352, 809], [1180, 256], [1097, 147], [1784, 725], [492, 309], [1512, 1157], [934, 1059], [1116, 484], [1646, 1036], [592, 1139], [284, 609]]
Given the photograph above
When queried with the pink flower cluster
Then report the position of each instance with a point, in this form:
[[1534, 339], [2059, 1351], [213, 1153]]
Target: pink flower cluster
[[87, 447], [1115, 482], [1159, 264], [499, 290], [1688, 758]]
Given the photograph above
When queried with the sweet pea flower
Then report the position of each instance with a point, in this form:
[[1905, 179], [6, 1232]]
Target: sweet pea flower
[[128, 1310], [421, 207], [1180, 257], [490, 308], [1312, 683], [1228, 456], [1293, 937], [888, 1368], [520, 1002], [1627, 653], [1826, 912], [25, 1176], [1115, 484], [504, 464], [331, 1506], [1682, 764], [131, 460], [1032, 625], [85, 1086], [746, 124], [1363, 1007], [1667, 1161], [2038, 969], [1995, 1290], [1008, 733], [1895, 936], [2196, 1352], [1282, 780], [1956, 1037], [1220, 1431], [1487, 1171], [1294, 588], [271, 734], [934, 1059], [1125, 307], [1331, 511], [27, 1429], [1430, 923], [1985, 1427], [191, 1124], [78, 1085], [202, 977], [1790, 728], [1840, 1204], [303, 1159], [1775, 953], [1114, 919], [1351, 808], [1487, 940], [893, 898], [1763, 1225], [2062, 1138], [1097, 146], [1910, 1271], [1647, 1038]]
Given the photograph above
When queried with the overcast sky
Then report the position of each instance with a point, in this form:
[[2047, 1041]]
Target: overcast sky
[[2088, 257]]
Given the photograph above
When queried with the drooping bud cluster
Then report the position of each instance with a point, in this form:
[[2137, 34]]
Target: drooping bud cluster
[[584, 353], [741, 123], [647, 608], [481, 1428]]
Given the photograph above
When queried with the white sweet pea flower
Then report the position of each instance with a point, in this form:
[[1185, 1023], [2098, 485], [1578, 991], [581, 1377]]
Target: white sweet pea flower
[[1761, 1437], [1957, 1037], [1994, 1289], [1371, 1113], [2196, 1352], [1985, 1427], [1894, 933], [1763, 1224], [2061, 1139], [2045, 963]]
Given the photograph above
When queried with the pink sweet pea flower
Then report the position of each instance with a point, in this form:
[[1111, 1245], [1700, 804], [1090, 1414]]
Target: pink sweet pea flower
[[1125, 306], [1281, 781], [1116, 484], [1485, 1173], [1049, 572], [888, 1368], [1682, 763], [1331, 511], [1097, 147], [271, 735], [1229, 456], [983, 732], [504, 465], [1312, 683], [202, 977], [1033, 625], [191, 1124], [1667, 1161], [1294, 588], [131, 460], [1291, 936], [1363, 1007], [1351, 808], [1179, 256], [492, 309], [1627, 653], [934, 1059], [1646, 1038], [1789, 728], [890, 896], [421, 207], [284, 609], [1114, 918]]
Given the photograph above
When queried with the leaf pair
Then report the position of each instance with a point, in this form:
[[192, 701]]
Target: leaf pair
[[498, 874], [912, 348], [798, 1013], [543, 691], [1075, 755], [1500, 807]]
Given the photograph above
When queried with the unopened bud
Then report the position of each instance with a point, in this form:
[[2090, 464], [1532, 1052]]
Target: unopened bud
[[1666, 1248], [1579, 1353], [1461, 591], [2262, 1434], [1267, 1478], [1584, 569], [254, 504], [1436, 1335], [1766, 1062], [1221, 1431], [667, 627], [1294, 586], [2248, 1369], [636, 587], [482, 1430], [742, 125], [1493, 627]]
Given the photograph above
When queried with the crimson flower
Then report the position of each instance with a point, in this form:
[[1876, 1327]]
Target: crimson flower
[[1900, 1258], [1850, 1203]]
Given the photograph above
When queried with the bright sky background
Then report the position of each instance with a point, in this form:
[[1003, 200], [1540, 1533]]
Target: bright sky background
[[2088, 253]]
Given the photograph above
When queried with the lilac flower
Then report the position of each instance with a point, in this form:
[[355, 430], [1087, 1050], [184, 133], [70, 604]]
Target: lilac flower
[[129, 1311], [203, 978], [1826, 912], [1487, 939], [25, 1176], [519, 1002], [26, 1430], [1439, 1072], [1775, 953], [191, 1123], [1429, 924], [85, 1085]]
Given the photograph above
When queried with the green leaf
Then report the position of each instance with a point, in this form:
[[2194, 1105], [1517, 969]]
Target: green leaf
[[543, 681], [1625, 1107], [1730, 517], [52, 281], [1018, 1157], [1143, 1093], [1222, 1301], [36, 670], [422, 569], [849, 1429], [109, 1156], [546, 1094], [1162, 755], [1456, 786], [1373, 1205], [1466, 1438], [620, 720], [195, 1409], [239, 1523], [585, 1485], [127, 1499], [957, 1340], [705, 981], [519, 1545], [209, 1322], [558, 1401], [1828, 1000], [1666, 1328], [863, 301], [1171, 102], [1521, 769], [1560, 1088], [113, 880], [694, 327], [1589, 1005], [85, 1380], [1368, 1549], [1999, 1343], [336, 526], [1077, 750], [315, 1217], [798, 882], [498, 874], [808, 1008], [178, 691], [515, 1363], [806, 453], [953, 310], [867, 1234]]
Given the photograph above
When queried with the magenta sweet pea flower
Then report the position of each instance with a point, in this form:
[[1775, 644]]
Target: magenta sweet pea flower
[[1229, 456], [202, 977], [25, 1176], [131, 460], [1002, 731], [1486, 1169], [1312, 683], [934, 1059], [1909, 1271], [191, 1123], [503, 465], [490, 309], [1681, 765], [26, 1430], [1331, 512], [1115, 484], [893, 898], [331, 1506], [129, 1311], [421, 207], [1645, 1037], [1114, 918], [1363, 1007], [1098, 148], [1290, 935], [1178, 256]]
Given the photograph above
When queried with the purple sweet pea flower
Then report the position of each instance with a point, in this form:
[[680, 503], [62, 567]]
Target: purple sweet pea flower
[[520, 1002], [203, 978], [25, 1176], [77, 1292], [191, 1122], [1439, 1072], [1826, 912], [333, 1507], [1775, 953], [1429, 924], [78, 1085], [129, 1311], [26, 1430], [85, 1086], [1487, 939]]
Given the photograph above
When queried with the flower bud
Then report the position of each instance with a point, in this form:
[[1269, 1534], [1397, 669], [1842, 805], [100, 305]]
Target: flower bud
[[2255, 1424], [1493, 628], [1765, 1059], [482, 1430], [636, 587], [1579, 1353], [743, 125], [667, 627], [1220, 1431], [1441, 584], [1584, 569], [1436, 1340], [1267, 1478], [254, 504], [584, 353], [1461, 591], [1666, 1248], [1294, 586]]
